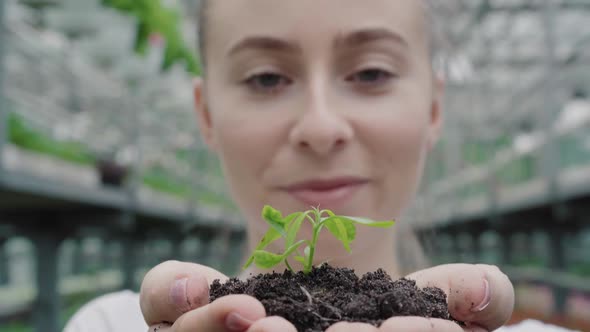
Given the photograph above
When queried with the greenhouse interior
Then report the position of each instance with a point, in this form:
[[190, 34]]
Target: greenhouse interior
[[103, 174]]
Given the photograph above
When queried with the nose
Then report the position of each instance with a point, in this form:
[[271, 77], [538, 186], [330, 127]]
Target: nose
[[320, 129]]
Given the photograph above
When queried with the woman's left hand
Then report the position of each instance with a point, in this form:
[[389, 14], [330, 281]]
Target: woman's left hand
[[479, 295]]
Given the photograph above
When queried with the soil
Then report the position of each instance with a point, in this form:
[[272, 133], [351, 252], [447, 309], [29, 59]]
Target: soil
[[329, 295]]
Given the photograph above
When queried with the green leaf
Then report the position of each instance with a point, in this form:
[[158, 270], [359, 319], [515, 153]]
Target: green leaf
[[369, 222], [268, 238], [329, 212], [306, 252], [248, 262], [292, 248], [265, 259], [293, 229], [300, 259], [270, 213], [288, 219], [274, 218], [343, 229]]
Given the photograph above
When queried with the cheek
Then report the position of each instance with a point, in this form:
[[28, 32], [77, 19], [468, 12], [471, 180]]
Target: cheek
[[397, 146], [404, 154], [407, 144], [408, 130], [240, 144], [398, 136], [246, 145]]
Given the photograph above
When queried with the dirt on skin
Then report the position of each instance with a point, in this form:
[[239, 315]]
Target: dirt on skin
[[329, 295]]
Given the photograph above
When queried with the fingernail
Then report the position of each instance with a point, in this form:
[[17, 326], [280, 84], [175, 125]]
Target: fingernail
[[236, 322], [197, 291], [487, 299], [178, 295]]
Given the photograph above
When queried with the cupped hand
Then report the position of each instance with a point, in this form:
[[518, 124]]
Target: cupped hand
[[481, 296], [174, 297]]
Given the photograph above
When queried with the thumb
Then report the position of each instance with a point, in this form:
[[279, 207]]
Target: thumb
[[479, 295], [173, 288]]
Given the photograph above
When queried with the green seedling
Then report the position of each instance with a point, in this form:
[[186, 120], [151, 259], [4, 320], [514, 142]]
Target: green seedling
[[342, 227]]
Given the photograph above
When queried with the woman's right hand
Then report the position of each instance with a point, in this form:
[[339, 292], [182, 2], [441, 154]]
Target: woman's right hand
[[178, 302]]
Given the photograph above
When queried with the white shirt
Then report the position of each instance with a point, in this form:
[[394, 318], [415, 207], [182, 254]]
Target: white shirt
[[120, 312], [115, 312]]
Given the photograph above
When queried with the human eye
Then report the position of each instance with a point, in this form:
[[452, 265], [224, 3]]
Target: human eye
[[267, 82], [371, 77]]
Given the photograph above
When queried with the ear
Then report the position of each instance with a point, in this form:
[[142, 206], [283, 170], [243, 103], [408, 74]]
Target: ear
[[203, 114], [436, 111]]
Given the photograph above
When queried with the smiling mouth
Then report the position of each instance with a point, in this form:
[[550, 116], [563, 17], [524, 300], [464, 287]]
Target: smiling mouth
[[329, 194]]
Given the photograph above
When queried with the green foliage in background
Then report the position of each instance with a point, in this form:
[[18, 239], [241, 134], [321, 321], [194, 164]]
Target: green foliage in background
[[517, 171], [572, 151], [159, 179], [154, 17], [23, 135], [581, 269], [16, 327], [480, 152]]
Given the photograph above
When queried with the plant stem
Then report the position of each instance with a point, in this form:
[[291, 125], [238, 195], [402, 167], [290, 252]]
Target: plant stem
[[316, 231], [288, 266], [314, 240]]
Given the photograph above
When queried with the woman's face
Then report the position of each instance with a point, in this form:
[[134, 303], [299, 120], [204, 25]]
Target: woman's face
[[326, 103]]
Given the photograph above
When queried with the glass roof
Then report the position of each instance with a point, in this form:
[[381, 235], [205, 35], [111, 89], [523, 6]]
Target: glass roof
[[510, 47]]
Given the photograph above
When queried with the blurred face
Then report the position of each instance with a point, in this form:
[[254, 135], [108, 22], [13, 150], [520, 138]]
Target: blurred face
[[326, 103]]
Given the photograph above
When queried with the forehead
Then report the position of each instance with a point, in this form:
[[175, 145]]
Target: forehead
[[312, 22]]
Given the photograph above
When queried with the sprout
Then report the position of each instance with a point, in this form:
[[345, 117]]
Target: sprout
[[342, 227]]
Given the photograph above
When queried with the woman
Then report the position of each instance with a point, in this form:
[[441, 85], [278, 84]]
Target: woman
[[331, 103]]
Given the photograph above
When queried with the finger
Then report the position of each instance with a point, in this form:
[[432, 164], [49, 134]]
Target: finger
[[419, 324], [477, 294], [229, 313], [352, 327], [173, 288], [271, 324]]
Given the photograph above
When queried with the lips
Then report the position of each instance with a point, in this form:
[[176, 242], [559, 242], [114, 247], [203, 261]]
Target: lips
[[326, 193]]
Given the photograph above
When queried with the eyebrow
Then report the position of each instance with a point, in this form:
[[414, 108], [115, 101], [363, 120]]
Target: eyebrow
[[366, 36], [353, 39], [265, 43]]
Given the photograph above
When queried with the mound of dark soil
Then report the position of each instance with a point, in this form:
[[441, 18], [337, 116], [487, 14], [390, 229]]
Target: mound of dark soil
[[329, 295]]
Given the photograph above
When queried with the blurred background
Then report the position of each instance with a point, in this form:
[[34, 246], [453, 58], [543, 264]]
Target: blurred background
[[102, 174]]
